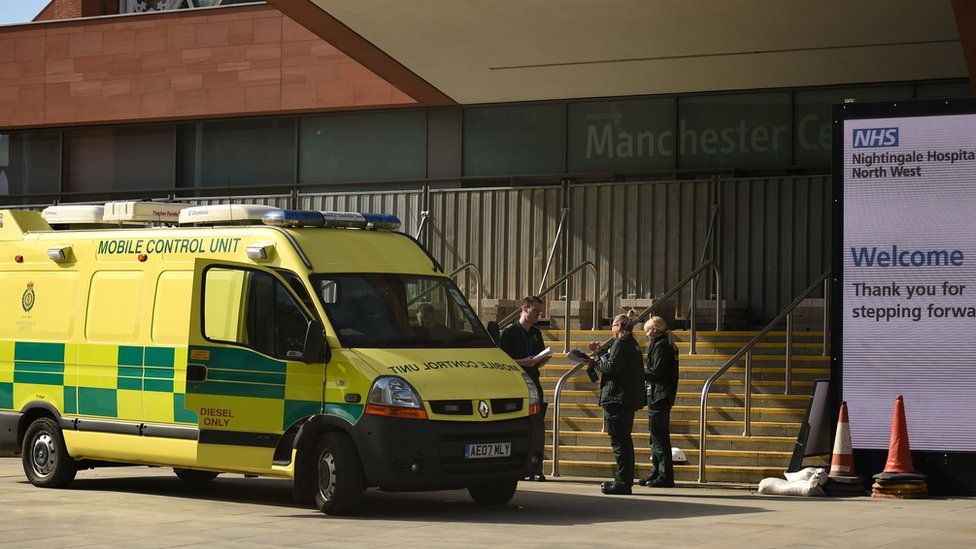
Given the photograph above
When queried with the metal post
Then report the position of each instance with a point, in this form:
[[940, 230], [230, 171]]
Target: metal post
[[556, 402], [596, 299], [552, 251], [826, 317], [718, 300], [566, 327], [691, 316], [789, 353], [747, 408]]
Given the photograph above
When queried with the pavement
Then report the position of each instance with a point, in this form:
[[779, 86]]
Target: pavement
[[149, 507]]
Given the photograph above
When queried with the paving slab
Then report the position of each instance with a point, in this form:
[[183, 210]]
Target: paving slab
[[150, 507]]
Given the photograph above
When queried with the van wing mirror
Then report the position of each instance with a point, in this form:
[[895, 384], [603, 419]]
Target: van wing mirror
[[314, 350], [494, 332]]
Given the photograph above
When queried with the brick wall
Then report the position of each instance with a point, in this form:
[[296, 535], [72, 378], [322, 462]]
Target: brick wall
[[60, 9], [237, 60]]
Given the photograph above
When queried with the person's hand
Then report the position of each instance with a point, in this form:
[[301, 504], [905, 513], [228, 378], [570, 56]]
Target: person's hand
[[594, 346], [543, 362]]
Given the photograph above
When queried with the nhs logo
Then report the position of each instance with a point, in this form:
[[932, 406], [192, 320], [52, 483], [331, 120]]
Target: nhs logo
[[875, 137]]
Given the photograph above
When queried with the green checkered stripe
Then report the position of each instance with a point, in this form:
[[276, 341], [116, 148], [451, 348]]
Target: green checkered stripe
[[234, 371], [149, 369]]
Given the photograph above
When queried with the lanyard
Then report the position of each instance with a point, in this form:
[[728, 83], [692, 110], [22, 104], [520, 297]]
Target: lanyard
[[527, 341]]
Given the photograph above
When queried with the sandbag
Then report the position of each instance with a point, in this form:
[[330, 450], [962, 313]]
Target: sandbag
[[780, 487], [817, 474]]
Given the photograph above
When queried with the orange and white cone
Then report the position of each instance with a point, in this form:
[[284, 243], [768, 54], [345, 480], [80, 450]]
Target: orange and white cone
[[842, 461]]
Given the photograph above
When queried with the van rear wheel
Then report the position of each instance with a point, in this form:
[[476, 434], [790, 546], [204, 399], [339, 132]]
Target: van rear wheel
[[339, 474], [45, 456], [195, 475], [497, 493]]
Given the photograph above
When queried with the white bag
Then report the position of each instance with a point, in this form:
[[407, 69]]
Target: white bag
[[817, 473], [780, 487]]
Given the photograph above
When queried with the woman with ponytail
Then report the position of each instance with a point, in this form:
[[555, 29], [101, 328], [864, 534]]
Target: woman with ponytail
[[661, 375]]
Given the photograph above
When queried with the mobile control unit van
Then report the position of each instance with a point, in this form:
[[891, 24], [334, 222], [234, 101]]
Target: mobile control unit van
[[318, 346]]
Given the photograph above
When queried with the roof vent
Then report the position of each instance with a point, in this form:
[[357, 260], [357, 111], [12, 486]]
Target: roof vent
[[142, 212], [74, 214]]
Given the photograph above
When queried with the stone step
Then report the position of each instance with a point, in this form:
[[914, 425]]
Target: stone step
[[682, 473], [709, 347], [681, 440], [684, 426], [696, 385], [692, 398], [685, 335], [642, 454], [731, 413]]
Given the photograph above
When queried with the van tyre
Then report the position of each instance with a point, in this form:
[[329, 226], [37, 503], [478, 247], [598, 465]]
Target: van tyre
[[497, 493], [195, 475], [339, 479], [45, 456]]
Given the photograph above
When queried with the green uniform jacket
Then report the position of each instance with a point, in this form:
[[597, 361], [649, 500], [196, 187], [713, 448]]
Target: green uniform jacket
[[622, 369], [662, 364]]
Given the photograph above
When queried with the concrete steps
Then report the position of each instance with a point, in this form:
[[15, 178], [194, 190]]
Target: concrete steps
[[585, 450]]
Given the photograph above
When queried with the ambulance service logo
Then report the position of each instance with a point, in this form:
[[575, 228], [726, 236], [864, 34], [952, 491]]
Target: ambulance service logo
[[27, 300], [483, 409]]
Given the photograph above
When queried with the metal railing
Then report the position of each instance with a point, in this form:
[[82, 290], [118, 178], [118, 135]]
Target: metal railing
[[746, 351], [596, 292], [557, 401], [477, 274], [693, 306]]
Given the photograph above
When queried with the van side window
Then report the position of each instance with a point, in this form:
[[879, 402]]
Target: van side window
[[252, 309]]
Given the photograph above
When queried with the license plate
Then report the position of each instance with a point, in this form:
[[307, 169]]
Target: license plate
[[487, 450]]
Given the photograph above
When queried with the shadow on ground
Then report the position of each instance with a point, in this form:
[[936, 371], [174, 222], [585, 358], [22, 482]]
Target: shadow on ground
[[587, 506]]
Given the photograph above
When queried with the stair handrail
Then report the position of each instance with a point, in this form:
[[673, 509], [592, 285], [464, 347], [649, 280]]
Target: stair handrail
[[746, 351], [507, 319], [694, 293], [452, 274], [552, 250], [557, 393], [477, 274]]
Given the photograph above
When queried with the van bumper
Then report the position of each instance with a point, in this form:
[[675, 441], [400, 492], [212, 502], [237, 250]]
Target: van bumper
[[414, 455]]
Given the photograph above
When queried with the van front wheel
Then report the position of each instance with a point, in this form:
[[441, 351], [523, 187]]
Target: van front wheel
[[46, 460], [498, 493], [339, 475]]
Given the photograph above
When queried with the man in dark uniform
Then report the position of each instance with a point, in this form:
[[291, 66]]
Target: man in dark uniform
[[621, 395], [522, 341], [662, 388]]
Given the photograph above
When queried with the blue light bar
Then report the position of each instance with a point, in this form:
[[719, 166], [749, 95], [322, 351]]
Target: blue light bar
[[382, 222], [293, 218]]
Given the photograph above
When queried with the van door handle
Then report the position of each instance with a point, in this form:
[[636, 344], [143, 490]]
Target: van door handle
[[196, 372]]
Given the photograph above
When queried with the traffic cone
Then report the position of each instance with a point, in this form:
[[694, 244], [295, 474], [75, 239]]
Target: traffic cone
[[899, 479], [842, 461], [842, 481], [899, 455]]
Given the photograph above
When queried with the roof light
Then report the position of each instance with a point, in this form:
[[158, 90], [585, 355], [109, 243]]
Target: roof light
[[73, 214], [293, 218], [382, 222], [224, 214], [142, 212], [260, 251]]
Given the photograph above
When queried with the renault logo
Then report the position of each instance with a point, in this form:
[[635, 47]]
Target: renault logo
[[483, 409]]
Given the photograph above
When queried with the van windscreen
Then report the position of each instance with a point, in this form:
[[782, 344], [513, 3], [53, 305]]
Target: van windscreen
[[398, 311]]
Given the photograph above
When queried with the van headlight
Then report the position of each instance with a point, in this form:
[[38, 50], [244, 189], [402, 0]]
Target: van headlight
[[535, 399], [392, 396]]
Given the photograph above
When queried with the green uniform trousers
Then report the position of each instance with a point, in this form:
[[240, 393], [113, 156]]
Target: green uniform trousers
[[620, 425], [660, 399]]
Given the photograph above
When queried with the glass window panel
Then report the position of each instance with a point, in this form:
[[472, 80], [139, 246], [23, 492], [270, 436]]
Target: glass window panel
[[119, 158], [230, 153], [943, 90], [30, 163], [812, 112], [736, 130], [363, 147], [621, 135], [523, 139]]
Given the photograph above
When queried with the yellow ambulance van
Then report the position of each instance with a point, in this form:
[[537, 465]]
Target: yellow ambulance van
[[319, 346]]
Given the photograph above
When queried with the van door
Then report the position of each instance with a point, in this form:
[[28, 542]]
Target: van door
[[252, 368]]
